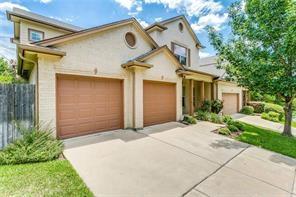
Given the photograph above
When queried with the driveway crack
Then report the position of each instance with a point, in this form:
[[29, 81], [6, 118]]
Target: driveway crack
[[214, 172]]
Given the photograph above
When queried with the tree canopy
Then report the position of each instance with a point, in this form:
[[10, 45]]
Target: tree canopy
[[261, 51]]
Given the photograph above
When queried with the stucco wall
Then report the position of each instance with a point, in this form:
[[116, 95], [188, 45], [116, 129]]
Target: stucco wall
[[104, 53], [48, 32], [229, 87], [172, 34]]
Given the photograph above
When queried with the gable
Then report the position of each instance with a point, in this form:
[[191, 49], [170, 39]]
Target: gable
[[104, 51], [95, 30]]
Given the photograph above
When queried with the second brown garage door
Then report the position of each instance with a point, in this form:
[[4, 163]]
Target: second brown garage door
[[159, 102], [230, 103], [88, 105]]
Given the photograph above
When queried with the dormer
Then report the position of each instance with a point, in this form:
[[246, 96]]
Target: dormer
[[30, 27], [178, 35]]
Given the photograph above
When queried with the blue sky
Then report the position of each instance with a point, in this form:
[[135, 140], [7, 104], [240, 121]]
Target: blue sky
[[89, 13]]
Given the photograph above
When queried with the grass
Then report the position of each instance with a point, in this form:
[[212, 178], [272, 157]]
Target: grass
[[268, 139], [54, 178]]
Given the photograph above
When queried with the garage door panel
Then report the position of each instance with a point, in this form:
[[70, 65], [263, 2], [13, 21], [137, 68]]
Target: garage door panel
[[87, 105], [159, 102]]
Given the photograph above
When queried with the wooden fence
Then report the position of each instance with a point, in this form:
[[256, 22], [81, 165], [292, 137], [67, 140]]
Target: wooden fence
[[16, 106]]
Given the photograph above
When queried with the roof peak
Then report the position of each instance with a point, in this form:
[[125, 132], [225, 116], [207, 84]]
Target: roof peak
[[42, 19]]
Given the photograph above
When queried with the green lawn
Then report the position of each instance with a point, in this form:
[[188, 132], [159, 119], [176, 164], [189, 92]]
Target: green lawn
[[269, 140], [54, 178]]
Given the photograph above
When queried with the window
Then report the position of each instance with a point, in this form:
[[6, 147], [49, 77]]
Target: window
[[35, 35], [181, 27], [182, 54], [130, 39]]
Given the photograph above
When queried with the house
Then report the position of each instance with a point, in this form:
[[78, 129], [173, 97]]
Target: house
[[115, 76]]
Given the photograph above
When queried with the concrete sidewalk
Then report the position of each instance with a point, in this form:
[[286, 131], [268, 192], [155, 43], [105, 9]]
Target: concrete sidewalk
[[177, 160], [258, 121]]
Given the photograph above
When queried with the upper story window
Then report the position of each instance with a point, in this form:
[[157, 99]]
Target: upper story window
[[130, 39], [182, 54], [35, 35], [180, 25]]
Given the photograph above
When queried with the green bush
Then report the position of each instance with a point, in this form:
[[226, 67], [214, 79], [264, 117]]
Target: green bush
[[36, 145], [272, 116], [238, 125], [248, 110], [189, 119], [206, 106], [258, 106], [217, 106], [224, 131], [227, 119], [202, 115], [274, 108], [215, 118], [233, 128]]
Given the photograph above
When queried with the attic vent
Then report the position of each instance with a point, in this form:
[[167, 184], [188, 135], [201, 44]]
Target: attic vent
[[181, 27], [130, 39]]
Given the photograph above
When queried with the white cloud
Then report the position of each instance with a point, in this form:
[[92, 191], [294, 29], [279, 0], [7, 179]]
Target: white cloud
[[158, 19], [204, 54], [7, 49], [128, 4], [191, 7], [9, 6], [45, 1], [142, 22], [214, 20]]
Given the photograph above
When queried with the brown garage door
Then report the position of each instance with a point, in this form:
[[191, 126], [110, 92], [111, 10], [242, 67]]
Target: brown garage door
[[230, 103], [159, 102], [87, 105]]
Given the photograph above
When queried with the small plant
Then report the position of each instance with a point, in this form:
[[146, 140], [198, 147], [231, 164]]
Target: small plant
[[238, 125], [215, 118], [36, 145], [202, 115], [274, 108], [217, 106], [248, 110], [224, 131], [272, 116], [233, 128], [227, 119], [258, 106], [206, 106], [189, 119]]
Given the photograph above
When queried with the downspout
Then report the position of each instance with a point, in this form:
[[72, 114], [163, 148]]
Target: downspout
[[36, 87]]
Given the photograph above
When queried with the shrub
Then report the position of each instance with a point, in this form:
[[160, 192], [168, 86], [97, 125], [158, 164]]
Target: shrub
[[202, 115], [272, 116], [215, 118], [224, 131], [258, 106], [189, 119], [227, 119], [238, 125], [233, 128], [36, 145], [217, 106], [274, 108], [206, 106], [248, 110]]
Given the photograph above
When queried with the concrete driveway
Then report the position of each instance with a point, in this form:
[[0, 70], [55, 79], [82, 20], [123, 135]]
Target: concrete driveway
[[177, 160]]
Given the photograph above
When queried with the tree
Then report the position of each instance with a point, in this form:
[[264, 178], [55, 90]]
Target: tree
[[261, 51], [7, 73]]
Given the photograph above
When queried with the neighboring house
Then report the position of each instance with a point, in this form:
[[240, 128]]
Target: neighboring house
[[114, 76]]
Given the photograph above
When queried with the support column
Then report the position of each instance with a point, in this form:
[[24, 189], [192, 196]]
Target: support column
[[202, 91], [191, 107], [138, 98]]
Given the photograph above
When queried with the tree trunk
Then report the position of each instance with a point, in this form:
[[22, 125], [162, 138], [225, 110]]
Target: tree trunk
[[288, 117]]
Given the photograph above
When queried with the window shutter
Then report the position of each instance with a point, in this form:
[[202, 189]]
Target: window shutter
[[189, 58]]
